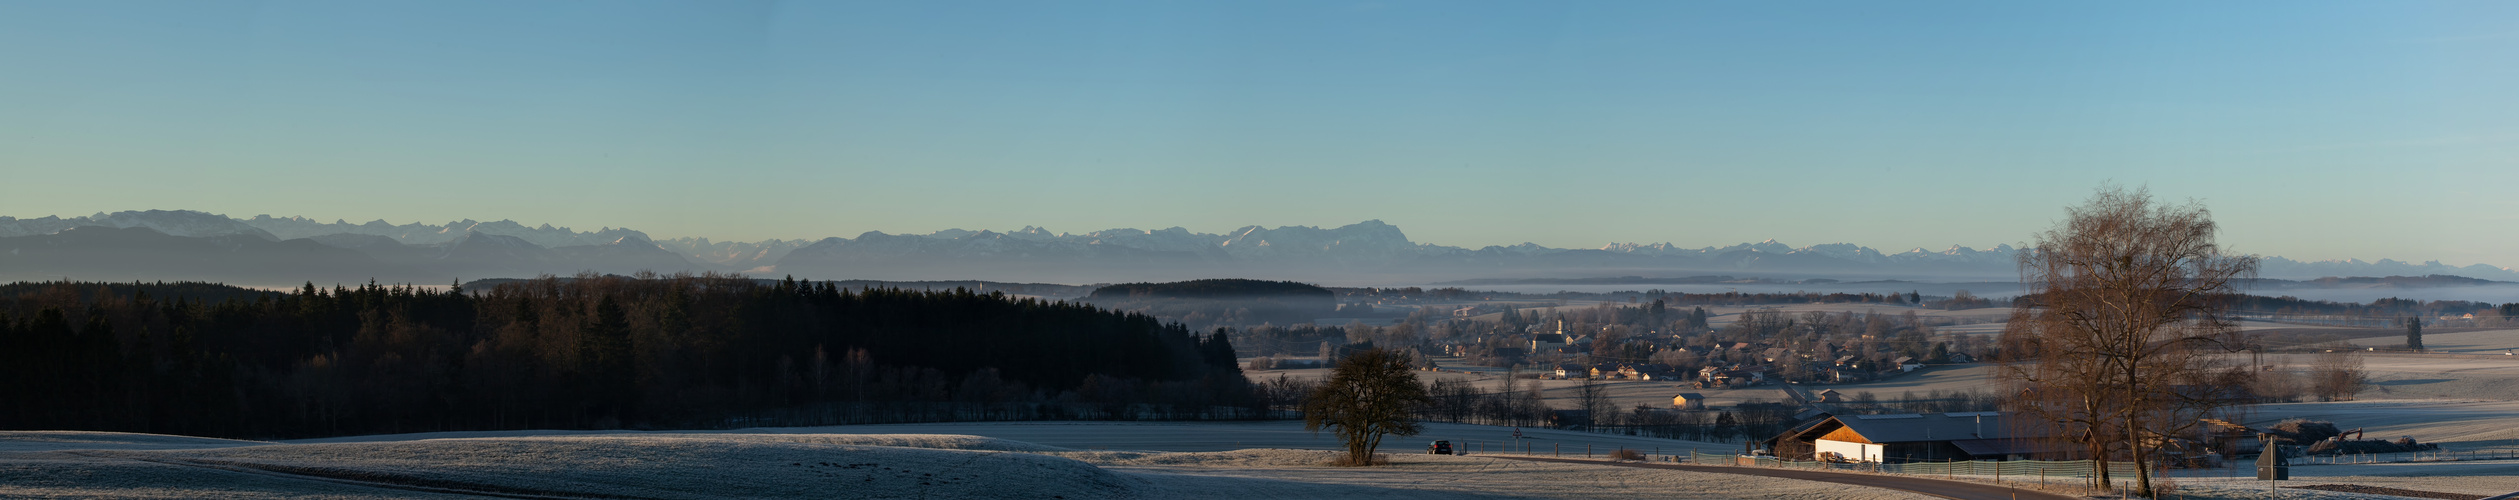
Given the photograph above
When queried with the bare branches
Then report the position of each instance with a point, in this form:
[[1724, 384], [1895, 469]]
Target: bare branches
[[2120, 342], [1371, 394]]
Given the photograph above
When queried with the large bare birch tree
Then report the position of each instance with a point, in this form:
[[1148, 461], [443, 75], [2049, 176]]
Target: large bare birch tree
[[2119, 347]]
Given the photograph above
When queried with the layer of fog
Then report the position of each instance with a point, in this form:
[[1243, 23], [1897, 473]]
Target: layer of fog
[[2497, 294]]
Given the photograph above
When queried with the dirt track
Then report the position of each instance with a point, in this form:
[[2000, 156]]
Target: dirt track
[[1947, 489]]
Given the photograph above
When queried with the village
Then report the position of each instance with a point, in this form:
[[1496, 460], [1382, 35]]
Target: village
[[1884, 379]]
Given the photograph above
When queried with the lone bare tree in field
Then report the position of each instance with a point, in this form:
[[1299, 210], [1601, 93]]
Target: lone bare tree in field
[[2337, 375], [2122, 342], [1593, 397], [1370, 394]]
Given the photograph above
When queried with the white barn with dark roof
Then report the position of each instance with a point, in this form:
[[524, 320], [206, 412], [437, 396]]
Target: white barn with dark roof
[[1910, 437]]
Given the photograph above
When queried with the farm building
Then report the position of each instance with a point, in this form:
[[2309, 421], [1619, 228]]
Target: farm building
[[1689, 401], [1548, 343], [1910, 438]]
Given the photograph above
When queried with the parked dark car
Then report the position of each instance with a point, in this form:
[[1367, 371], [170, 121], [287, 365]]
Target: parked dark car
[[1439, 448]]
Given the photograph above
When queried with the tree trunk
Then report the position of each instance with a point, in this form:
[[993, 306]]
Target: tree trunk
[[2134, 435], [2142, 472], [2098, 459]]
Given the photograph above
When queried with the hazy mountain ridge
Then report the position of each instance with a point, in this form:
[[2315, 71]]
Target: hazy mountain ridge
[[180, 244], [185, 223], [738, 255], [105, 253], [424, 234], [1368, 252]]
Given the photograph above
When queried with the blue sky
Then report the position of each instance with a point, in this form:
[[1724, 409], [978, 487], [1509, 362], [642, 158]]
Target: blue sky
[[2315, 130]]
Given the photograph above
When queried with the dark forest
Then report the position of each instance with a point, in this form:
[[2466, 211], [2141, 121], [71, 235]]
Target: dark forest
[[590, 352]]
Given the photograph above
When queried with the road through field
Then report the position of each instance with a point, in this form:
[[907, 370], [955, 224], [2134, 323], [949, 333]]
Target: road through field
[[1934, 487]]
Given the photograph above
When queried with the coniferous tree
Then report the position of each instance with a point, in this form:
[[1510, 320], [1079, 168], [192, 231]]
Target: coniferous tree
[[605, 353], [2414, 334], [590, 351]]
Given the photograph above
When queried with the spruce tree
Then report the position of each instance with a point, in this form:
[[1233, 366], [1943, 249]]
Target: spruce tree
[[2414, 333]]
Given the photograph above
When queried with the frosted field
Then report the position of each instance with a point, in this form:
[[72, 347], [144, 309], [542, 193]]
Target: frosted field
[[2481, 478], [2487, 342], [1140, 436], [2455, 424], [2486, 478], [889, 461], [1626, 394], [2435, 376]]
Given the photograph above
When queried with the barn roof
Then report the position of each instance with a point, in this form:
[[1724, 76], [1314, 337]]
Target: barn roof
[[2009, 446], [1913, 427]]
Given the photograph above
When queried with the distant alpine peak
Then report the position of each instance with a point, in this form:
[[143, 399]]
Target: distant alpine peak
[[481, 238], [633, 239]]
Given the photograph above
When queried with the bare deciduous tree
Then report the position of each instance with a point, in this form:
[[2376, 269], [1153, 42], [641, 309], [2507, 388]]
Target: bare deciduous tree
[[1594, 399], [1371, 394], [2337, 374], [2277, 381], [2126, 325]]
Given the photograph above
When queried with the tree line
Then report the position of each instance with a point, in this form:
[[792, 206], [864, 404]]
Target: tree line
[[588, 352]]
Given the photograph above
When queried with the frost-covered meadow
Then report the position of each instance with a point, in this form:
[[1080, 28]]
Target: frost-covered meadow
[[1154, 460], [1055, 460]]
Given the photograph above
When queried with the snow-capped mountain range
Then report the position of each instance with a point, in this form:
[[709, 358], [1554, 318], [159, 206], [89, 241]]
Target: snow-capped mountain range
[[1369, 252]]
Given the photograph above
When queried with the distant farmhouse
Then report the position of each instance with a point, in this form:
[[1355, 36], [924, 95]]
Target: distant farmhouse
[[1911, 438]]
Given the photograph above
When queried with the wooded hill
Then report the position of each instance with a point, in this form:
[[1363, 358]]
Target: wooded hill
[[1211, 289], [1210, 303], [590, 352]]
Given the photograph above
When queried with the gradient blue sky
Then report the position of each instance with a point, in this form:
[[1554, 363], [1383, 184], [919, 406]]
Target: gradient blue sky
[[2314, 130]]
